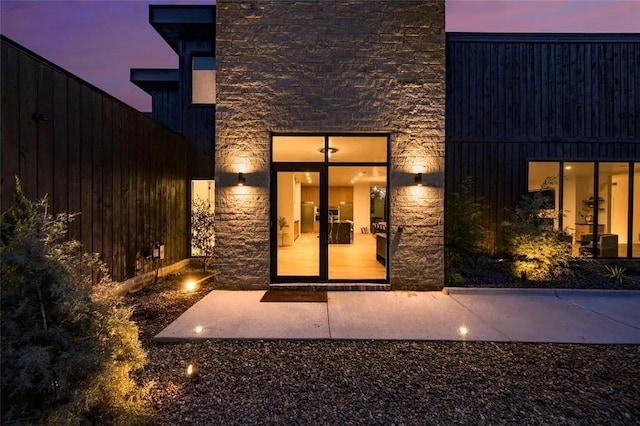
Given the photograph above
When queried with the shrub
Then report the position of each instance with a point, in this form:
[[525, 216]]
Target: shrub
[[453, 278], [616, 272], [68, 344], [536, 248], [203, 239], [464, 232]]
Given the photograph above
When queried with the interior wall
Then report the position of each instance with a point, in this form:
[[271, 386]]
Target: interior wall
[[286, 199], [636, 205], [619, 206], [297, 207], [361, 207], [570, 207]]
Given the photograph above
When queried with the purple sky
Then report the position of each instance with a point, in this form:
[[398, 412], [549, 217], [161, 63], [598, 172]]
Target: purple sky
[[100, 40]]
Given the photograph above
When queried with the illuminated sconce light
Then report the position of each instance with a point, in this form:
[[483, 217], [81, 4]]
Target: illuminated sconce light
[[241, 179], [463, 331], [417, 179], [198, 329]]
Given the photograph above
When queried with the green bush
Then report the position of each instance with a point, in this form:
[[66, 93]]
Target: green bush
[[536, 248], [68, 344], [203, 238], [464, 232]]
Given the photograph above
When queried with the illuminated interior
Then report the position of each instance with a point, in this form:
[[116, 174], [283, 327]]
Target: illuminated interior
[[355, 207], [605, 219]]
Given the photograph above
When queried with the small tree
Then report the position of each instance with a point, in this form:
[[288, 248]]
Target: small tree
[[282, 223], [203, 238], [464, 232], [536, 247], [68, 344]]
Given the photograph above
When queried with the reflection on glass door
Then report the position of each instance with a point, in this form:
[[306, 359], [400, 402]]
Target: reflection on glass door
[[298, 224], [357, 222]]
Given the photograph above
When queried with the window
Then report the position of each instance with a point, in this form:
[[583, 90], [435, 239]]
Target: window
[[203, 80], [598, 208]]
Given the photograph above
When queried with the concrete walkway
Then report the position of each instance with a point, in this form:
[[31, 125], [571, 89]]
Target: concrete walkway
[[500, 315]]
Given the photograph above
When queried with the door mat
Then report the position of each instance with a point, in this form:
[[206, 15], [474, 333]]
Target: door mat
[[294, 296]]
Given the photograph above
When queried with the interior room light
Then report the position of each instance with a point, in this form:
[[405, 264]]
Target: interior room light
[[241, 179], [567, 168], [417, 179], [330, 150]]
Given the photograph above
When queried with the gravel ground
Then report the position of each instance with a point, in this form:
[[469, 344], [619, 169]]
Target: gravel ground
[[379, 382]]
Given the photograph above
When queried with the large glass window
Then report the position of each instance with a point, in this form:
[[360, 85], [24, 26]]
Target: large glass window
[[203, 80], [597, 219], [613, 209], [543, 177], [578, 204], [331, 193]]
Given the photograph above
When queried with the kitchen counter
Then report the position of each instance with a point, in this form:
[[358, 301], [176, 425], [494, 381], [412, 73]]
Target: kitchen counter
[[341, 232]]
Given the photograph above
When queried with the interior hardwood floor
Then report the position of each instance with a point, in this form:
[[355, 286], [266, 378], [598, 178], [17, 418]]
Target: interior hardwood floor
[[346, 261]]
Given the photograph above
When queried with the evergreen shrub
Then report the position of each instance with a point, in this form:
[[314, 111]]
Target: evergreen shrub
[[68, 344]]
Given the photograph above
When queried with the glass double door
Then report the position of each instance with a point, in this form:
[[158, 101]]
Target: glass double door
[[328, 223]]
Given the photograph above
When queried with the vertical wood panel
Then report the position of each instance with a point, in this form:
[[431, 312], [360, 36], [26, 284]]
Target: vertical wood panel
[[124, 173], [117, 150], [74, 142], [44, 131], [28, 144], [97, 206], [107, 181], [9, 130], [60, 122]]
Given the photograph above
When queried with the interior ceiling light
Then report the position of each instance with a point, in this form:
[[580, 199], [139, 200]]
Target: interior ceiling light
[[331, 150]]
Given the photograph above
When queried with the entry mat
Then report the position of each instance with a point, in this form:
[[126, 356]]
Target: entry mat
[[294, 296]]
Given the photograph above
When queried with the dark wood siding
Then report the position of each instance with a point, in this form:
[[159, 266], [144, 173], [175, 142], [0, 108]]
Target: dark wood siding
[[514, 98], [125, 174], [198, 120]]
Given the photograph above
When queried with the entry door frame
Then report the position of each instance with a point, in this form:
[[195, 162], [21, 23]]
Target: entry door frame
[[321, 167], [323, 241]]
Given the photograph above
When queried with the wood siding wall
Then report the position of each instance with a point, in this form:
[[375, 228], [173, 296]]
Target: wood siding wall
[[94, 155], [518, 98], [197, 120]]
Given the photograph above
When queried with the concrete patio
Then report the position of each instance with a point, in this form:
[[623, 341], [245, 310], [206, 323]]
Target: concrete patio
[[500, 315]]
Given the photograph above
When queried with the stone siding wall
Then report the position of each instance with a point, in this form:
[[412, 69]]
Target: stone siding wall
[[330, 66]]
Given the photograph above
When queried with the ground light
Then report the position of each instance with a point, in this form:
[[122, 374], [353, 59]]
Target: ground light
[[463, 331], [190, 285], [191, 372]]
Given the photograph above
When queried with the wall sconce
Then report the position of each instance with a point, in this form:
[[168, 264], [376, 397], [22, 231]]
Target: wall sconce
[[241, 179], [417, 179]]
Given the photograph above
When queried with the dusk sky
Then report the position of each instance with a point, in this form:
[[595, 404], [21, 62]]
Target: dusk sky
[[100, 40]]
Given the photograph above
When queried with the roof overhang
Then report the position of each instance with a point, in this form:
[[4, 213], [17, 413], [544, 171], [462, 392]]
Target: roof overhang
[[179, 22], [154, 79]]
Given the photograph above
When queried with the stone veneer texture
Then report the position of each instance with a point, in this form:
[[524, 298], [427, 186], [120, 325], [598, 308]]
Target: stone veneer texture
[[330, 66]]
